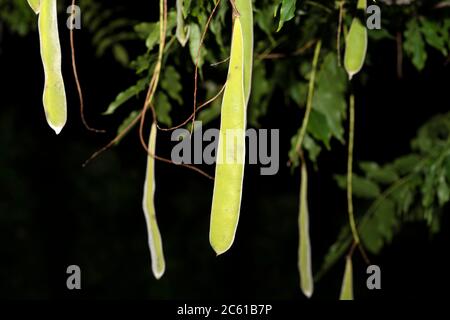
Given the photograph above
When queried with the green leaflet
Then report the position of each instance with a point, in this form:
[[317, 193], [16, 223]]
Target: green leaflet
[[287, 12], [414, 44], [245, 9], [304, 254], [182, 32], [195, 36], [356, 45], [154, 236], [35, 5], [347, 282], [54, 98], [231, 151]]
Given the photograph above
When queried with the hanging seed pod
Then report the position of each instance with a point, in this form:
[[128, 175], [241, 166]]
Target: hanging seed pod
[[356, 44], [304, 254], [154, 236], [229, 177], [54, 97]]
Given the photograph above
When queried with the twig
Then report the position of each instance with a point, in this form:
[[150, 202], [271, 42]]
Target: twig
[[399, 55], [339, 32], [309, 104], [148, 100], [192, 115], [197, 59], [297, 52], [77, 81]]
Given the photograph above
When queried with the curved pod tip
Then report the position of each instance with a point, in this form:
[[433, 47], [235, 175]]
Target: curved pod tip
[[55, 128], [35, 5], [55, 108], [158, 273], [218, 246], [308, 293]]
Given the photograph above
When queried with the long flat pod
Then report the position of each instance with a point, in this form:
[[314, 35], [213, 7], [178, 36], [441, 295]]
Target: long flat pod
[[304, 254], [54, 97], [356, 44], [154, 236], [245, 8], [347, 282], [231, 151]]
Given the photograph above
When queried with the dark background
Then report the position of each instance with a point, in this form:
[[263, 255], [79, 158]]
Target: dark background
[[54, 213]]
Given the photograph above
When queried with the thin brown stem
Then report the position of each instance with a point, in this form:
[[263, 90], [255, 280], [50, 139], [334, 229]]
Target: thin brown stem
[[351, 216], [298, 52], [309, 103], [77, 80], [157, 71], [339, 32], [197, 59], [399, 55], [192, 115], [148, 101], [215, 64]]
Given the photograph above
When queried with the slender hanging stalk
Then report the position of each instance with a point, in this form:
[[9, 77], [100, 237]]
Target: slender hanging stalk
[[245, 8], [304, 251], [309, 104], [77, 79], [351, 142]]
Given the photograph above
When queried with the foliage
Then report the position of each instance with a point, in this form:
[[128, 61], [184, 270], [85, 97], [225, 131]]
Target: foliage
[[414, 187]]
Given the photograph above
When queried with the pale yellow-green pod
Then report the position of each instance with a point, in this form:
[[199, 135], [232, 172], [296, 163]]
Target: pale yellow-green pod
[[304, 254], [245, 8], [154, 235], [229, 176], [54, 97], [35, 5], [347, 282], [356, 44]]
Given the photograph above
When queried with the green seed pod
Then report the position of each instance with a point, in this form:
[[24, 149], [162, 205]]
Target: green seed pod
[[304, 254], [54, 97], [154, 236], [356, 44], [231, 151], [347, 283]]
